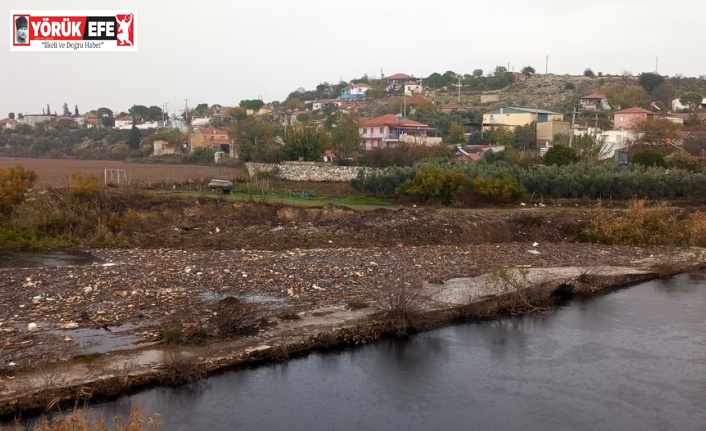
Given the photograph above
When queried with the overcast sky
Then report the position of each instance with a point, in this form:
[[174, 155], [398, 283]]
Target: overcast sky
[[223, 52]]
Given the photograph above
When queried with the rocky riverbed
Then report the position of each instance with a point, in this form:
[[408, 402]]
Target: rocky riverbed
[[226, 276]]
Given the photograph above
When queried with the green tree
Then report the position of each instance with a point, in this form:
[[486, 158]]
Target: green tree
[[67, 111], [141, 112], [14, 184], [560, 155], [586, 147], [154, 113], [345, 137], [456, 134], [478, 73], [294, 104], [76, 114], [500, 70], [692, 100], [588, 72], [104, 112], [499, 136], [664, 93], [202, 110], [11, 115], [528, 70], [253, 104], [649, 157], [649, 81], [525, 136], [657, 131], [305, 143], [135, 138], [237, 114], [626, 97], [435, 80], [252, 137], [201, 156], [680, 159]]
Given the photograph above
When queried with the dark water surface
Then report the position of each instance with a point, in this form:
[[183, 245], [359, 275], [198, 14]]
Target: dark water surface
[[46, 258], [631, 360]]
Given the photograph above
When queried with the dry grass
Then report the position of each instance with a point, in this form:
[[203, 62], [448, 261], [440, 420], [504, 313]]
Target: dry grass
[[181, 367], [79, 421], [644, 224], [402, 300], [516, 291]]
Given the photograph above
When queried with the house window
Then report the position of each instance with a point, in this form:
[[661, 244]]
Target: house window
[[365, 130], [622, 118], [382, 130]]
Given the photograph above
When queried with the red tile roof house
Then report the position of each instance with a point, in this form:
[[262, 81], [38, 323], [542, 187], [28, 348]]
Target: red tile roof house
[[8, 123], [397, 81], [388, 131], [627, 119]]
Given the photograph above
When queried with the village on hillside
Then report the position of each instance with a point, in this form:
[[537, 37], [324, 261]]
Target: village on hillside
[[465, 115]]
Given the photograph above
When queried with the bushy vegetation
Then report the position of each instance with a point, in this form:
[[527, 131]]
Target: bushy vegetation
[[575, 181], [84, 212], [63, 142], [14, 185], [79, 421], [644, 224]]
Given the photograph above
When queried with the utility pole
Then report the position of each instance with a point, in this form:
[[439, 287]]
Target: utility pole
[[656, 64], [546, 65], [164, 112], [573, 121], [459, 87], [186, 111]]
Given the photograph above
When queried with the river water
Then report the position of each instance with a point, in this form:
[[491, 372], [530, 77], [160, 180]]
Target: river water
[[634, 359], [45, 258]]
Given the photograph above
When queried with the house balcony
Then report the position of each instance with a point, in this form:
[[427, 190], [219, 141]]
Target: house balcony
[[414, 140]]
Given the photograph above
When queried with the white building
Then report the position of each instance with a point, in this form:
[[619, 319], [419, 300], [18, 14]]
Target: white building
[[411, 89]]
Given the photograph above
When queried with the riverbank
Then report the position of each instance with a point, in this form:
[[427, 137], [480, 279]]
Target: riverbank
[[310, 316]]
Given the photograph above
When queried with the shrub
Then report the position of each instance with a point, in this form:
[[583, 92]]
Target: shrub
[[202, 156], [83, 186], [683, 160], [561, 155], [649, 157], [14, 184], [641, 224], [501, 190], [79, 421], [401, 300], [432, 183]]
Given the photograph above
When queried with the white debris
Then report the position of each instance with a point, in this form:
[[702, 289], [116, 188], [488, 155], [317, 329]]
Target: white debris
[[32, 327], [108, 264], [535, 244], [87, 289], [533, 252], [70, 325]]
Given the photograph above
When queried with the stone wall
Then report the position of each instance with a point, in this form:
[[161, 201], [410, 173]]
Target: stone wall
[[306, 171]]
